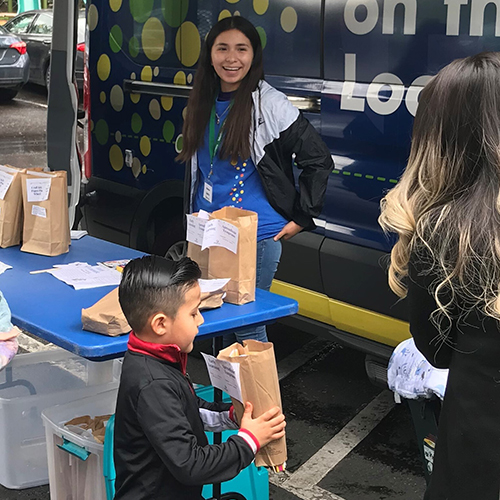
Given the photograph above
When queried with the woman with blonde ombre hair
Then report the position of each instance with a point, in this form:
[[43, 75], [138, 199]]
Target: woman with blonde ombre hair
[[446, 212]]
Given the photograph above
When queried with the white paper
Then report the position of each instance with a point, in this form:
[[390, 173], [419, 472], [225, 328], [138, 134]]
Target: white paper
[[219, 233], [38, 211], [195, 229], [207, 286], [5, 182], [203, 215], [38, 189], [4, 267], [81, 275], [224, 375], [76, 235]]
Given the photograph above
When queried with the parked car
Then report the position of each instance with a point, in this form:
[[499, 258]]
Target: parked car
[[14, 65], [35, 28]]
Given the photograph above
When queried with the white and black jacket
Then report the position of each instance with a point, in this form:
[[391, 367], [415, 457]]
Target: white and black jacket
[[279, 131]]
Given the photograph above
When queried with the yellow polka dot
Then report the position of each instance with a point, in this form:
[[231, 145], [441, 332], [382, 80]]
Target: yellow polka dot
[[116, 157], [184, 111], [234, 199], [145, 145], [260, 6], [153, 38], [156, 71], [154, 109], [116, 98], [146, 74], [232, 1], [92, 17], [136, 167], [91, 125], [224, 13], [144, 169], [167, 102], [115, 5], [118, 136], [180, 78], [236, 13], [190, 78], [103, 67], [288, 19], [242, 191], [135, 98], [133, 76], [188, 44], [244, 164], [102, 97]]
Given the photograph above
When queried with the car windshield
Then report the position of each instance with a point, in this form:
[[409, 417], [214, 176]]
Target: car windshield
[[3, 31]]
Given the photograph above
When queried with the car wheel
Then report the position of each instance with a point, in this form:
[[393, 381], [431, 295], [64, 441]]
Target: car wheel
[[7, 94], [47, 76]]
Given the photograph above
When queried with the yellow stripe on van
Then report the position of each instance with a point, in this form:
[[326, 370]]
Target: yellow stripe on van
[[345, 317]]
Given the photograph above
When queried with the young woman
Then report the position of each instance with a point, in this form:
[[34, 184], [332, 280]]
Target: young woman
[[446, 212], [240, 138]]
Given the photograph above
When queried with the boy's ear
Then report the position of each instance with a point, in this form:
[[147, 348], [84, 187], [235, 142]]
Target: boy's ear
[[161, 324]]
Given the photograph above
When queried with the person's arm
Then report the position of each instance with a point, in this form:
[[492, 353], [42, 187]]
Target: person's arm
[[421, 304], [314, 159], [161, 415]]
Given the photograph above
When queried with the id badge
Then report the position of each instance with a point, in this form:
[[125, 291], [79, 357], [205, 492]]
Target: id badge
[[208, 190]]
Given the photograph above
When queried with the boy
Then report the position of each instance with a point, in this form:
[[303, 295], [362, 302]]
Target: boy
[[161, 451]]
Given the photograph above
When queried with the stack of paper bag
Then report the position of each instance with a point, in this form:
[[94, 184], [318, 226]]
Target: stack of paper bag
[[196, 225], [106, 316], [260, 386], [46, 221], [11, 206]]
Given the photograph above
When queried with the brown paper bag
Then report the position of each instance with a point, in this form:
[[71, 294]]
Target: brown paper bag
[[46, 222], [106, 316], [241, 266], [260, 386], [211, 300], [195, 253], [11, 206]]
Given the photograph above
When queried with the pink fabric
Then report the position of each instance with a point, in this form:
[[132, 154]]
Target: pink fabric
[[8, 349]]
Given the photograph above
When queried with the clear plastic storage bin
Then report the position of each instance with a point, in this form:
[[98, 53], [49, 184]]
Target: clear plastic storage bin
[[29, 384], [75, 461]]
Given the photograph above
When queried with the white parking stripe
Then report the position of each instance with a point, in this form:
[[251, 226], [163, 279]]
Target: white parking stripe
[[31, 102], [303, 482]]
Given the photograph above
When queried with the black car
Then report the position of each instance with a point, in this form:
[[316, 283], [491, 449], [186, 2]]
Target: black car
[[14, 64], [35, 28]]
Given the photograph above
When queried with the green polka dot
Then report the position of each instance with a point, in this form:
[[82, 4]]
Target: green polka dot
[[168, 131], [101, 132], [141, 9], [178, 143], [263, 36], [136, 123], [174, 11], [133, 46], [116, 38]]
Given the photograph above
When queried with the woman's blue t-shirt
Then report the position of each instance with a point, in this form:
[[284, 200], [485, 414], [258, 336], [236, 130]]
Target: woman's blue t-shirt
[[235, 185]]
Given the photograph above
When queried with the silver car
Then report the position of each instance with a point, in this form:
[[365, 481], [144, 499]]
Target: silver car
[[14, 64]]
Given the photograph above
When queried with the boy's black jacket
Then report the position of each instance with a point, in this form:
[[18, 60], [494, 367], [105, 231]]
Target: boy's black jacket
[[160, 448]]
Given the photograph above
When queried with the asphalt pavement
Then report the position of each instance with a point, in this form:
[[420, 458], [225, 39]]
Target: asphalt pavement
[[347, 439]]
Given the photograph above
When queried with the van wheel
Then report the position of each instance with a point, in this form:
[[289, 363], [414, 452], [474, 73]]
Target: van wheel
[[177, 251], [168, 235], [7, 95]]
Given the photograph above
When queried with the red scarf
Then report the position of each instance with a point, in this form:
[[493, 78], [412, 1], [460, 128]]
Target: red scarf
[[165, 352]]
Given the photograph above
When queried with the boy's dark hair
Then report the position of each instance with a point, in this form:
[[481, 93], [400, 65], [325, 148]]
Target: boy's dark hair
[[153, 284]]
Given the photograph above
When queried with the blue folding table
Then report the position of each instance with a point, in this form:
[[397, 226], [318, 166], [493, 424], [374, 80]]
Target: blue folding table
[[51, 309]]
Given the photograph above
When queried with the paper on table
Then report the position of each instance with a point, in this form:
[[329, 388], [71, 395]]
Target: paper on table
[[220, 233], [38, 189], [195, 229], [207, 286], [76, 235], [5, 182], [224, 375], [82, 275], [4, 267]]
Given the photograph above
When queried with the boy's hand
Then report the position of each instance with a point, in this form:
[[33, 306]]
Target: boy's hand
[[266, 428]]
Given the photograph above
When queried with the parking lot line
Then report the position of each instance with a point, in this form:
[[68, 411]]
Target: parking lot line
[[303, 482], [31, 102]]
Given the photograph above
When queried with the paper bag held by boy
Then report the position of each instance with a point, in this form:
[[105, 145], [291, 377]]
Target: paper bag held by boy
[[260, 386]]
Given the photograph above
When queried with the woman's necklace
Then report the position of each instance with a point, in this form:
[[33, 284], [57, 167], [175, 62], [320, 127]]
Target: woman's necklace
[[219, 117]]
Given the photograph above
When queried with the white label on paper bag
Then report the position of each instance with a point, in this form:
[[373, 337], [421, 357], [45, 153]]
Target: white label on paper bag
[[219, 233], [209, 286], [195, 229], [38, 189], [224, 375], [5, 182], [203, 215], [38, 211]]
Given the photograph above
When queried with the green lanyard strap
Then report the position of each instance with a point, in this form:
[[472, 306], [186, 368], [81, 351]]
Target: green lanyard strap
[[215, 143]]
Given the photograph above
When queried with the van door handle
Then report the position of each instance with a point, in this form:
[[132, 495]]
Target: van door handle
[[156, 88]]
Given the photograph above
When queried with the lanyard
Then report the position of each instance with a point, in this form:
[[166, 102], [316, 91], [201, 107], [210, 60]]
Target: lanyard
[[213, 142]]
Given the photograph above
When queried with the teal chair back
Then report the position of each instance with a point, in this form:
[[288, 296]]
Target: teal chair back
[[108, 462]]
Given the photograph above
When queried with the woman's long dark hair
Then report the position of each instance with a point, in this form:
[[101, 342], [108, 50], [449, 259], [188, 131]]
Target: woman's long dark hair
[[236, 142]]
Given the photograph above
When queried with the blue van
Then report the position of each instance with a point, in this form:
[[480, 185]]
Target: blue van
[[354, 67]]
